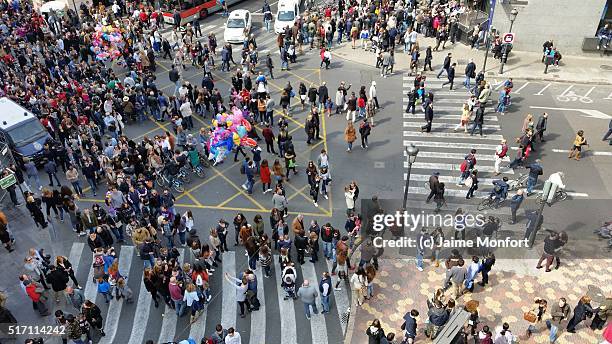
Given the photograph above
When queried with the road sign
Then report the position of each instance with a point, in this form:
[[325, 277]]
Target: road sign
[[8, 181], [508, 38]]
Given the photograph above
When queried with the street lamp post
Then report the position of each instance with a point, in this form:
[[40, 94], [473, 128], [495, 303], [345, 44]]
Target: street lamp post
[[513, 15], [411, 151], [487, 44]]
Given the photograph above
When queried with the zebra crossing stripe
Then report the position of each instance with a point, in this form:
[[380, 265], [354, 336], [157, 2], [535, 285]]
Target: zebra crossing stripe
[[478, 194], [447, 192], [436, 166], [455, 145], [452, 207], [266, 41], [341, 298], [447, 100], [168, 327], [427, 86], [446, 117], [258, 318], [141, 315], [76, 251], [455, 156], [114, 309], [489, 137], [457, 93], [450, 179], [286, 309], [448, 125], [318, 324], [228, 311], [91, 286]]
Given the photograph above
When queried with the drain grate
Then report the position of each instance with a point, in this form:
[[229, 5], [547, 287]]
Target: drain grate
[[606, 67]]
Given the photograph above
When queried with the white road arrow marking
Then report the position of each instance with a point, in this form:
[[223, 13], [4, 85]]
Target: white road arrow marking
[[586, 112]]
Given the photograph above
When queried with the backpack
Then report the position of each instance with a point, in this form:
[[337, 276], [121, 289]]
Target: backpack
[[98, 261], [464, 166]]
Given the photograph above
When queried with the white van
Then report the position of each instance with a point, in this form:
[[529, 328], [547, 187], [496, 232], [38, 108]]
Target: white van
[[22, 131], [287, 13]]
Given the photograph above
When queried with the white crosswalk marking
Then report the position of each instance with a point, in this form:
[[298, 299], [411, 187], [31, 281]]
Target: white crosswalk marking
[[286, 309], [427, 86], [485, 182], [413, 205], [142, 311], [228, 312], [114, 310], [444, 149], [168, 327], [141, 317], [489, 137], [455, 145], [455, 156], [341, 297], [448, 101], [455, 118], [91, 286], [448, 126], [258, 318], [435, 166], [318, 324], [76, 252]]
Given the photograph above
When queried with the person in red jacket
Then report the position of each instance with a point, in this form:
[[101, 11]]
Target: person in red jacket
[[264, 174]]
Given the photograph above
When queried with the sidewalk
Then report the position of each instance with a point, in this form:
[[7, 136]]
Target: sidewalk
[[399, 287], [521, 65]]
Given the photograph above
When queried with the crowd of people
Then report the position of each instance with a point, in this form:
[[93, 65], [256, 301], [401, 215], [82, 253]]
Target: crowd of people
[[48, 66]]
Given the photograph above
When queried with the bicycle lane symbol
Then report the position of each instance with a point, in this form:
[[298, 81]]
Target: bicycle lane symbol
[[571, 96]]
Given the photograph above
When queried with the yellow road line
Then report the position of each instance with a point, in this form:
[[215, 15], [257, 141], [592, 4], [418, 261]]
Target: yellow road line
[[208, 180], [297, 193], [229, 199], [212, 207], [241, 190]]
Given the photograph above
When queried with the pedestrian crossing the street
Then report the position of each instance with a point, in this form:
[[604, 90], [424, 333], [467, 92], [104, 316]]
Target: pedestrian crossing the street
[[445, 147], [139, 321]]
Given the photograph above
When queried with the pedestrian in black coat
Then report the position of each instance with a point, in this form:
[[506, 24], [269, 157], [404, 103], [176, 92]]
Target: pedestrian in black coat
[[93, 316], [541, 127], [582, 311], [428, 118], [33, 205]]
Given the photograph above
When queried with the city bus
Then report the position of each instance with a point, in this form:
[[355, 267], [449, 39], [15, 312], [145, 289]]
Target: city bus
[[191, 9]]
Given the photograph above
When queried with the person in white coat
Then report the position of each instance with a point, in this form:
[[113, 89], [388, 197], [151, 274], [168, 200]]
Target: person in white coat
[[557, 184], [373, 94], [349, 196], [232, 337]]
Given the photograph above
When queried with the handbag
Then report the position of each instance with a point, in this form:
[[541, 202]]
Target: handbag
[[530, 317]]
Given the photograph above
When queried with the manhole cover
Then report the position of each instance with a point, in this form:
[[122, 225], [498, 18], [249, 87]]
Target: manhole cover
[[605, 67]]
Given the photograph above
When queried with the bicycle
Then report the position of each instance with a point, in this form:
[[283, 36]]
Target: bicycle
[[489, 203], [518, 183], [560, 195], [175, 182]]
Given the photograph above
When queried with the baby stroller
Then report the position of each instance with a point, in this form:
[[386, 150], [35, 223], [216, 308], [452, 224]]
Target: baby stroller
[[288, 282]]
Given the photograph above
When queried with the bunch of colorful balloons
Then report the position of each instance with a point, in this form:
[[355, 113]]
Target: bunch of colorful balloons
[[107, 42], [230, 129]]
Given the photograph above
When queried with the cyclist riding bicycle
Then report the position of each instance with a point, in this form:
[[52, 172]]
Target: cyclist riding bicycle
[[500, 190], [171, 169], [194, 157], [557, 184]]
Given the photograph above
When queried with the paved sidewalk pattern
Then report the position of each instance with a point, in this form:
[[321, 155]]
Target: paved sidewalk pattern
[[590, 69], [399, 287]]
